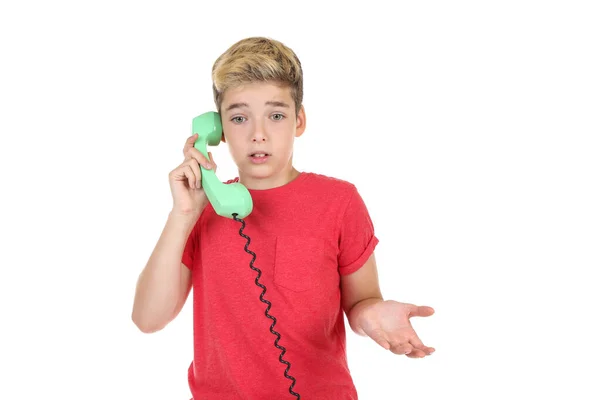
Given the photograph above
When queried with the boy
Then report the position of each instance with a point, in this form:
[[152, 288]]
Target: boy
[[314, 243]]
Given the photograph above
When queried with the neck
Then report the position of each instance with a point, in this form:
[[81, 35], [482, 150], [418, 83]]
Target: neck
[[270, 182]]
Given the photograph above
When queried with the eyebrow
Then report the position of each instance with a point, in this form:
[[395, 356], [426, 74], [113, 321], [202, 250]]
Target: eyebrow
[[268, 103]]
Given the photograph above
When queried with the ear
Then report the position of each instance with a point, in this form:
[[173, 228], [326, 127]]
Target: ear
[[300, 122], [222, 131]]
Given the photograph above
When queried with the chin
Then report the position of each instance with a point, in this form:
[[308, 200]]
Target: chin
[[264, 174], [262, 171], [257, 171]]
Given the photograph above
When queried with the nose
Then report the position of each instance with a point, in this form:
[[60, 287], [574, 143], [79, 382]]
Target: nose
[[259, 133]]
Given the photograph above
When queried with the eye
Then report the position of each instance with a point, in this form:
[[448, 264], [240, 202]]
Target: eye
[[237, 120], [278, 117]]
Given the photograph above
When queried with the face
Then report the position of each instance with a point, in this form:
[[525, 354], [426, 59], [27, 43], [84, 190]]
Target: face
[[260, 125]]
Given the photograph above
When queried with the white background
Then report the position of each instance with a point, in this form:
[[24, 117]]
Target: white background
[[470, 128]]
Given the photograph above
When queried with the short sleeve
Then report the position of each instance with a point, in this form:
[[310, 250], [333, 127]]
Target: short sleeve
[[190, 251], [357, 238]]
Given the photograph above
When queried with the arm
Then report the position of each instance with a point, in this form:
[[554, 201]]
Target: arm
[[164, 283], [359, 290], [387, 322]]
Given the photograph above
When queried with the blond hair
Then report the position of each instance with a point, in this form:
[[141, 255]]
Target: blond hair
[[257, 59]]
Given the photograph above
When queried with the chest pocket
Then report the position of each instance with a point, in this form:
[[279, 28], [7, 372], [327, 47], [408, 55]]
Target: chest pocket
[[300, 262]]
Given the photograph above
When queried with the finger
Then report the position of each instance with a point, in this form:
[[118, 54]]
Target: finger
[[212, 161], [195, 167], [421, 311], [191, 177], [401, 348], [418, 344], [195, 154], [414, 350], [415, 354], [189, 143], [419, 349], [184, 173], [379, 337]]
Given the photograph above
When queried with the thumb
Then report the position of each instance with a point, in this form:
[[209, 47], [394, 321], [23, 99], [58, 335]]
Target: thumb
[[421, 311]]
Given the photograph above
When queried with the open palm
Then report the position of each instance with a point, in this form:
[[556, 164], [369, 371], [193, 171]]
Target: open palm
[[388, 323]]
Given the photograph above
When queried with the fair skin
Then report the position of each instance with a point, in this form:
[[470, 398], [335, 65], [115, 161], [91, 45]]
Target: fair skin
[[387, 322], [259, 119]]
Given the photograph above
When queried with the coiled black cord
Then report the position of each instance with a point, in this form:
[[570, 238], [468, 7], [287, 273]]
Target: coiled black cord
[[283, 350]]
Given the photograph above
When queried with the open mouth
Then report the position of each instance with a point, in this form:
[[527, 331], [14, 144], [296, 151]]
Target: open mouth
[[259, 155]]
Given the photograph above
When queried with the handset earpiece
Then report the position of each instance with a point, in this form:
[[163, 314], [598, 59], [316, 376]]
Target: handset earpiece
[[226, 199]]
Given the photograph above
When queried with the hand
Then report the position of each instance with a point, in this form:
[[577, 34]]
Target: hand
[[387, 322], [186, 180]]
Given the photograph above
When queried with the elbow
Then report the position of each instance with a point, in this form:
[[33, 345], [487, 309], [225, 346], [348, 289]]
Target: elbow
[[146, 325]]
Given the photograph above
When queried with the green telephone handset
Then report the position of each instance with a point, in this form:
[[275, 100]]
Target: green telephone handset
[[226, 199]]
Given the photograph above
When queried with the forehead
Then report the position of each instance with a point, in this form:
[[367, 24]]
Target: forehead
[[257, 93]]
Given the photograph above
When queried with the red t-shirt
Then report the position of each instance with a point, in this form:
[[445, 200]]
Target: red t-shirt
[[305, 234]]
